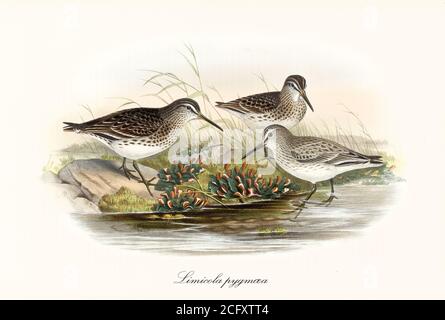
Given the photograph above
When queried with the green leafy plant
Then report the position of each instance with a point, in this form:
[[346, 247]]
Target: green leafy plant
[[178, 174], [178, 200], [241, 183]]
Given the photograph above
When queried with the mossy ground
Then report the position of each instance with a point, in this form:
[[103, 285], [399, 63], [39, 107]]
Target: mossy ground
[[125, 201], [268, 231]]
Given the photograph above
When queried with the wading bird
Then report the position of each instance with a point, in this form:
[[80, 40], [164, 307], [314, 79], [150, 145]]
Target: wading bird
[[141, 132]]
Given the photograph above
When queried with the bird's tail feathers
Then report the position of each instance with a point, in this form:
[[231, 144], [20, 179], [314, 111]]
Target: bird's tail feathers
[[71, 127], [230, 107], [360, 159], [375, 159]]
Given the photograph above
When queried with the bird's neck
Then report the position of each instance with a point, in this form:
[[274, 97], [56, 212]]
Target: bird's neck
[[292, 101], [176, 117], [289, 94]]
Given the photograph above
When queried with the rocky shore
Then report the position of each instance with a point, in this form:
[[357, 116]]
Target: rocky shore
[[85, 182]]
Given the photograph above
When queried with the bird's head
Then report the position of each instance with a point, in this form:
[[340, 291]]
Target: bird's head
[[271, 135], [193, 111], [298, 83]]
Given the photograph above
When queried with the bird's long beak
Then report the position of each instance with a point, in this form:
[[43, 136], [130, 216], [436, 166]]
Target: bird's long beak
[[304, 96], [203, 117]]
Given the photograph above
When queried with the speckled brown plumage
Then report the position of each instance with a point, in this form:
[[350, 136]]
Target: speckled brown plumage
[[151, 129], [141, 132], [286, 107], [257, 103], [130, 123]]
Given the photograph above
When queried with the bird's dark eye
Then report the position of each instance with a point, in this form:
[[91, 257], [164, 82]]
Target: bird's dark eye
[[270, 134]]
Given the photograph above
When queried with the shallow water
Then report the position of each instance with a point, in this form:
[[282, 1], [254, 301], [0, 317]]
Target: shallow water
[[267, 226]]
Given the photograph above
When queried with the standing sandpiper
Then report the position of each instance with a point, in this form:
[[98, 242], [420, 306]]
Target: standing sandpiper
[[141, 132], [313, 159], [286, 107]]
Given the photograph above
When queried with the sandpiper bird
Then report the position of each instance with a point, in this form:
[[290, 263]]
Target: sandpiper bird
[[141, 132], [313, 159], [286, 107]]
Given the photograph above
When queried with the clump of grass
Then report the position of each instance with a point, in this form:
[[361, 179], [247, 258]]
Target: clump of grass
[[110, 157], [54, 165], [278, 230], [124, 200]]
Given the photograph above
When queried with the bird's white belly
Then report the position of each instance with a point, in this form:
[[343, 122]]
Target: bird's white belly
[[136, 151], [321, 172], [142, 147], [311, 173]]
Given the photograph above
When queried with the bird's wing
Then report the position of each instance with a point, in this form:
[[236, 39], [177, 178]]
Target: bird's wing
[[310, 150], [257, 103], [311, 158], [129, 123]]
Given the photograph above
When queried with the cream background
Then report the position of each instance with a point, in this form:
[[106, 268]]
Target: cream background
[[383, 59]]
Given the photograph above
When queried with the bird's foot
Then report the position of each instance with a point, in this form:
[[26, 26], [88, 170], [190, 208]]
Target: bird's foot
[[311, 202], [298, 209], [148, 184], [129, 173], [329, 200], [326, 202], [298, 212]]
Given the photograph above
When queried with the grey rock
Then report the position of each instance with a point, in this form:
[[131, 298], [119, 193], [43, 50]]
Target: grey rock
[[50, 177], [68, 191], [85, 206], [96, 178]]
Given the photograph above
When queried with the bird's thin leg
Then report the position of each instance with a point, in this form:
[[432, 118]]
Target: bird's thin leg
[[332, 196], [128, 172], [314, 189], [298, 211], [147, 183], [302, 206], [328, 201]]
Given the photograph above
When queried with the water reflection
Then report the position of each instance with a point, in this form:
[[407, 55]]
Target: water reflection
[[267, 226]]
